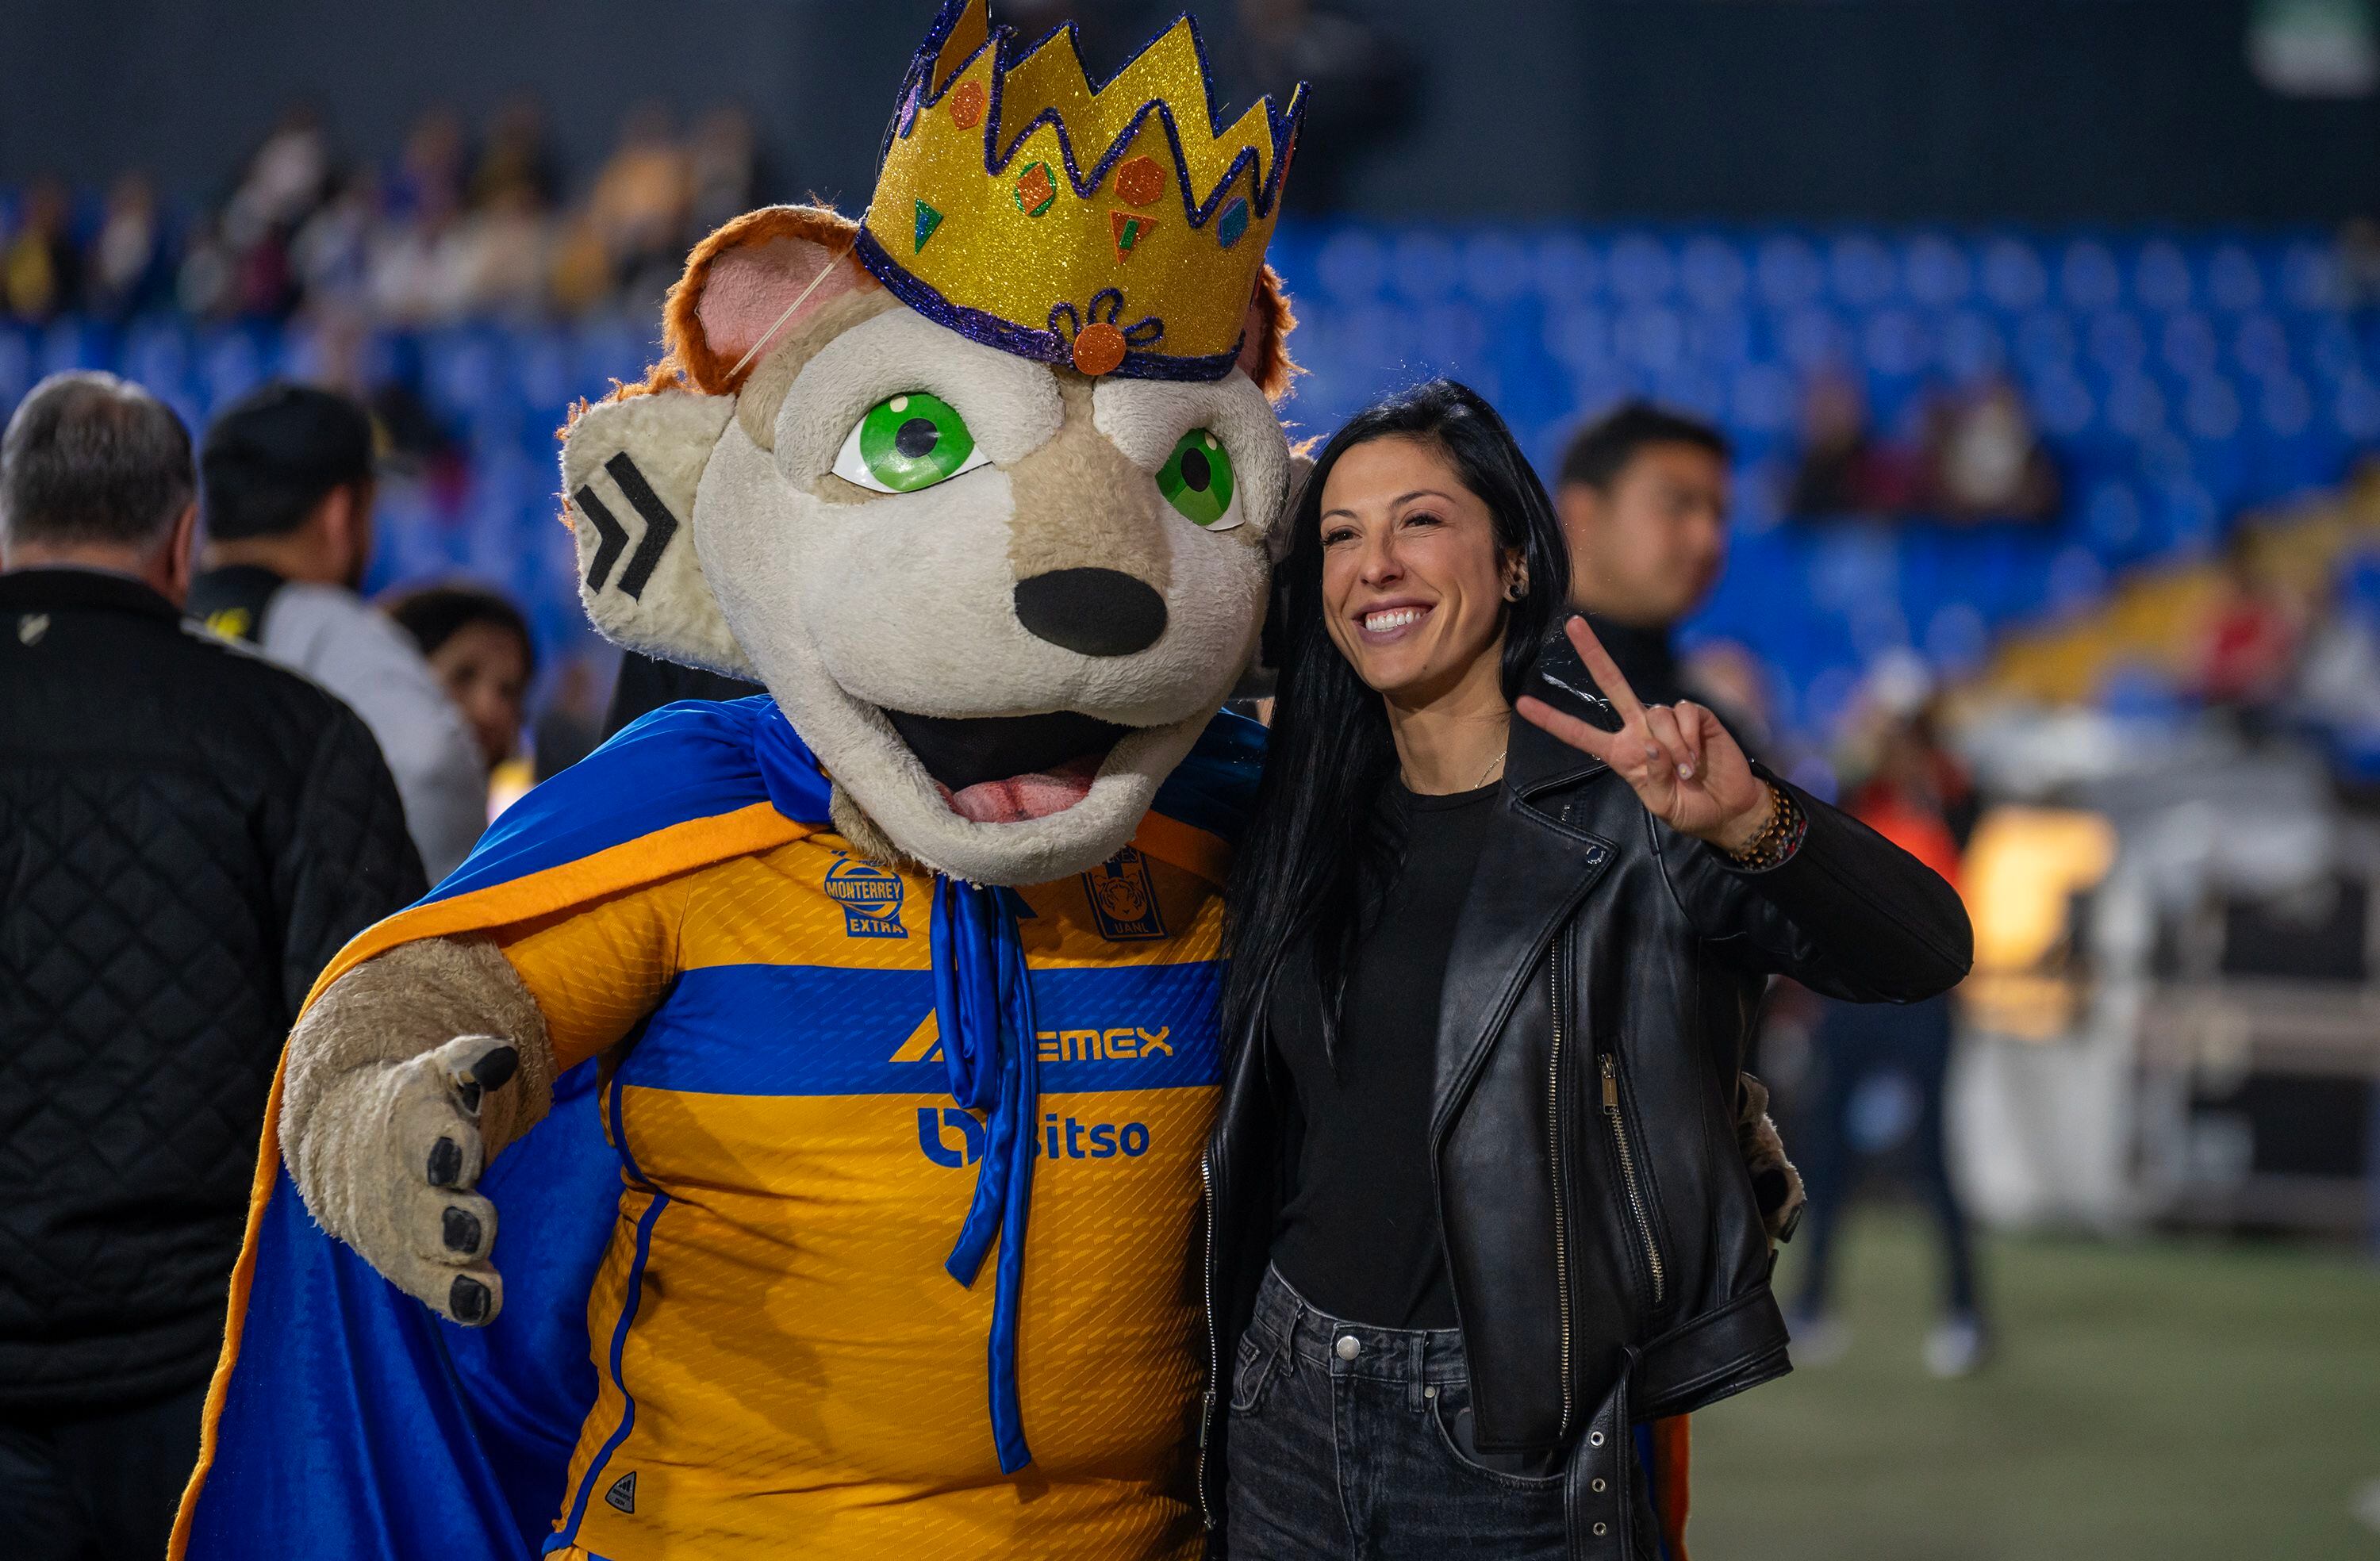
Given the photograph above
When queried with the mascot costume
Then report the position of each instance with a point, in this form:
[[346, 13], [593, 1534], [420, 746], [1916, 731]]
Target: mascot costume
[[837, 1063]]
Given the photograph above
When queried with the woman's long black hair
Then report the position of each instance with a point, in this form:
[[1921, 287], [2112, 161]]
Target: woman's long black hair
[[1313, 847]]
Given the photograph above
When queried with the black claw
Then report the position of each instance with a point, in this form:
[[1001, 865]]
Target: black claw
[[468, 1300], [496, 1070], [445, 1162], [460, 1227]]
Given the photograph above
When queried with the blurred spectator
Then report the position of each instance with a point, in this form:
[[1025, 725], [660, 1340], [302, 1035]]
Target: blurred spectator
[[2338, 677], [127, 270], [516, 163], [1364, 89], [202, 284], [40, 272], [1643, 499], [288, 485], [333, 251], [479, 645], [1845, 470], [1881, 1069], [191, 833], [638, 210], [418, 265], [501, 255], [1985, 462], [2251, 637], [723, 167], [286, 179]]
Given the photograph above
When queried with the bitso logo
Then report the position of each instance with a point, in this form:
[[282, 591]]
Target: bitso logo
[[937, 1129], [870, 898], [1123, 897], [954, 1138]]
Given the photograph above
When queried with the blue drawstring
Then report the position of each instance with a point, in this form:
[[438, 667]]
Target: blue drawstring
[[983, 999]]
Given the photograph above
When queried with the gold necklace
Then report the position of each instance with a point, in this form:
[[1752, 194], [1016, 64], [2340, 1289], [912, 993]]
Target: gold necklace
[[1494, 765]]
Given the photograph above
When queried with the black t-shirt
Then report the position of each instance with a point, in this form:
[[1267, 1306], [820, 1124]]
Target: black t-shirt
[[1359, 1236]]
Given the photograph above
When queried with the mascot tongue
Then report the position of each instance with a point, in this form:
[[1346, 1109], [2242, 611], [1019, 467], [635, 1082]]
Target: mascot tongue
[[1004, 769], [1024, 796]]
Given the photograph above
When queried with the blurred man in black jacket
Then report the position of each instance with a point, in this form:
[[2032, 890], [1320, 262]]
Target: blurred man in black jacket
[[1644, 499], [188, 833]]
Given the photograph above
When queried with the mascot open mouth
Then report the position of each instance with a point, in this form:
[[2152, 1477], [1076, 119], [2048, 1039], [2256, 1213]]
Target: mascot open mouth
[[1002, 770]]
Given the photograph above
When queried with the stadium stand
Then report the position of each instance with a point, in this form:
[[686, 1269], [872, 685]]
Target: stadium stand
[[2179, 381]]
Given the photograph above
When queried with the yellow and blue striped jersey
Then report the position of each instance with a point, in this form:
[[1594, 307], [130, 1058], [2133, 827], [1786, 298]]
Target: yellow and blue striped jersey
[[784, 1361]]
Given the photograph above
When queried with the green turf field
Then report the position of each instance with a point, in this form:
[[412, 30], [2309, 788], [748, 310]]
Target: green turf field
[[2174, 1399]]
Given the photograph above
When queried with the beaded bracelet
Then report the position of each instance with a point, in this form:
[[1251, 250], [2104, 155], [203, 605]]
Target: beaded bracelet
[[1778, 838]]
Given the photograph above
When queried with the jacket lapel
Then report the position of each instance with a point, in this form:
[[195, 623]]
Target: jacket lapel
[[1534, 869]]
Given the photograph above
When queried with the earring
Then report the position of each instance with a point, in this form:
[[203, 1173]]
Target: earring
[[1517, 587]]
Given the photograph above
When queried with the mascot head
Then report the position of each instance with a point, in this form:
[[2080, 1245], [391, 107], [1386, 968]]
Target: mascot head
[[980, 485]]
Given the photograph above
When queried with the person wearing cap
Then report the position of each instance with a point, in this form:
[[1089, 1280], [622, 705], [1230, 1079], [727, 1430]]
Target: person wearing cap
[[287, 474]]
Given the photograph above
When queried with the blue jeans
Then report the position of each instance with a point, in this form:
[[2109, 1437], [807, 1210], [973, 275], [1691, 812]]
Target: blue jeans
[[1354, 1444]]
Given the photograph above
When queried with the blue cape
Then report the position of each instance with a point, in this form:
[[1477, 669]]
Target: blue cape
[[348, 1419]]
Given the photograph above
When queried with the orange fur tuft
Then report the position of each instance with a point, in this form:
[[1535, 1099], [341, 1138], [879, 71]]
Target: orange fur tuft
[[1265, 352]]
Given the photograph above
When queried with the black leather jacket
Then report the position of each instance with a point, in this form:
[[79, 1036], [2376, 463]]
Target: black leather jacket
[[1607, 1257]]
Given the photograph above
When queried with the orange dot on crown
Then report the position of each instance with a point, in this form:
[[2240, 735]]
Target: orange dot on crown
[[1097, 349], [967, 104], [1139, 181]]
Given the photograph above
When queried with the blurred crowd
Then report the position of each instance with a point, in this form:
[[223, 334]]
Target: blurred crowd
[[465, 221], [1975, 455], [479, 220]]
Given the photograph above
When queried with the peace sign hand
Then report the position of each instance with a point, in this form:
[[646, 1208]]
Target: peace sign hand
[[1683, 764]]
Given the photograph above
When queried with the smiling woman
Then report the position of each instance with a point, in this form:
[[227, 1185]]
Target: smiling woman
[[1489, 1189]]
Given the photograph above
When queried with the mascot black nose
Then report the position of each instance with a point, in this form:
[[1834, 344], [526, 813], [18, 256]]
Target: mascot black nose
[[1095, 611]]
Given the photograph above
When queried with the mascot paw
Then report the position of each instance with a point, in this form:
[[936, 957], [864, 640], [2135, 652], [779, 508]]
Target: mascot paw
[[1775, 1183], [403, 1079], [401, 1193], [435, 1232]]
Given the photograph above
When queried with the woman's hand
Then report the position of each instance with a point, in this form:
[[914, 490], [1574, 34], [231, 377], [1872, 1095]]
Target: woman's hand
[[1685, 768]]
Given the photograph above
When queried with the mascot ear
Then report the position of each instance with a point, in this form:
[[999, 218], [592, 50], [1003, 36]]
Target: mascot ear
[[1264, 345], [630, 464], [629, 468], [740, 281]]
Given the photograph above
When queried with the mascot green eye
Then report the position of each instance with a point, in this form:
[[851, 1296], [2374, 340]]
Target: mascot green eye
[[1196, 480], [907, 442]]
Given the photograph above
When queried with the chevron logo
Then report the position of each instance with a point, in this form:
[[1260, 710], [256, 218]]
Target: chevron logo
[[659, 527]]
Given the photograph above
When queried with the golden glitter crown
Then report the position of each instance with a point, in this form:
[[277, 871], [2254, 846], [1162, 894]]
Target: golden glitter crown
[[1098, 227]]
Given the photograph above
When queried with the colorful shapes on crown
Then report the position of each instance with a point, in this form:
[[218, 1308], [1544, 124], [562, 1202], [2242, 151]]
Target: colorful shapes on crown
[[1233, 226], [1139, 181], [1099, 348], [967, 103], [1001, 133], [1130, 228], [1036, 190]]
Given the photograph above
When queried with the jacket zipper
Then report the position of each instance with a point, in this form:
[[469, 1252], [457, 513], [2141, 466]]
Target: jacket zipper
[[1214, 1344], [1628, 1175], [1554, 1144]]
